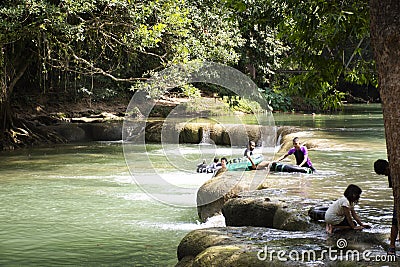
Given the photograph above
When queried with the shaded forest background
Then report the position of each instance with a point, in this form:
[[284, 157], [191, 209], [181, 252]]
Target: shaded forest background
[[58, 56]]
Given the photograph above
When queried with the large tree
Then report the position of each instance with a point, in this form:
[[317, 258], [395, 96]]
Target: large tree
[[308, 47], [262, 52], [385, 34], [125, 41], [329, 43]]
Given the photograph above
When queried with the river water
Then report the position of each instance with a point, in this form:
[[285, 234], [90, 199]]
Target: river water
[[78, 204]]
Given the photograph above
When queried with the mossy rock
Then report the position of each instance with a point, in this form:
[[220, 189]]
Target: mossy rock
[[231, 255], [212, 195], [256, 211], [197, 241]]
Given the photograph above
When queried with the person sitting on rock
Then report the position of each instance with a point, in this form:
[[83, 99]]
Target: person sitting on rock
[[340, 214]]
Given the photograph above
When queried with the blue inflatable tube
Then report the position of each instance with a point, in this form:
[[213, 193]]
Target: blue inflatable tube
[[237, 164], [241, 164]]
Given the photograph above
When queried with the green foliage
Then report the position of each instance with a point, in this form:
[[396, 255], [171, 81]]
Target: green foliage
[[262, 52], [125, 41], [213, 36], [315, 43], [73, 43], [329, 41], [332, 100], [245, 105], [278, 101], [190, 91], [309, 104]]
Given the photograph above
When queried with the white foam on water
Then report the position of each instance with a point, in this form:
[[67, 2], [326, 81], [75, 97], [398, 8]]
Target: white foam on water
[[182, 179], [136, 197], [216, 221]]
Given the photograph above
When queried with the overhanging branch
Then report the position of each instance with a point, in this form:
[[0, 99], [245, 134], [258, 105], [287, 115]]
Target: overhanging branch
[[97, 70]]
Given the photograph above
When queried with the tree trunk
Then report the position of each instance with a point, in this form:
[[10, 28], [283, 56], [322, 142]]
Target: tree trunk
[[15, 132], [10, 75], [6, 123], [385, 37]]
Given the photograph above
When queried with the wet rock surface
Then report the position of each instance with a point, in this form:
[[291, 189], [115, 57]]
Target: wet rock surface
[[264, 212], [265, 228], [260, 246], [214, 193]]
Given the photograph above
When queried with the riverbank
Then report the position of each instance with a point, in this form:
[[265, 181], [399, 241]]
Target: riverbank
[[52, 110], [51, 120], [44, 114]]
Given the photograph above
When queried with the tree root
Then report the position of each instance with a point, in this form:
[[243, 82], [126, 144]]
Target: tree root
[[23, 133]]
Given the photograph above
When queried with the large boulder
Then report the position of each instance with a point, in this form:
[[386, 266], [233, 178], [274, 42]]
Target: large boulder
[[219, 247], [231, 255], [259, 246], [197, 241], [212, 195], [256, 211], [105, 131], [71, 132]]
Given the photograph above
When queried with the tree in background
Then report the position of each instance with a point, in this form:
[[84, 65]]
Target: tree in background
[[262, 53], [329, 43], [302, 48], [385, 34], [307, 48], [125, 41]]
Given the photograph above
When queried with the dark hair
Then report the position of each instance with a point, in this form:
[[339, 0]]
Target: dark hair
[[216, 160], [380, 166], [352, 193], [226, 160], [296, 139]]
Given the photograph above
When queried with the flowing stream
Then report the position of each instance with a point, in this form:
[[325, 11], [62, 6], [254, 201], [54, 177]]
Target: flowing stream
[[78, 204]]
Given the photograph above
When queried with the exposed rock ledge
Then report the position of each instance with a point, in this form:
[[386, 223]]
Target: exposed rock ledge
[[234, 196], [79, 130], [264, 212], [228, 134], [258, 246], [260, 222]]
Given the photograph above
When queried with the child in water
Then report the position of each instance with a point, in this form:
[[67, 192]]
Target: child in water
[[340, 214], [222, 168]]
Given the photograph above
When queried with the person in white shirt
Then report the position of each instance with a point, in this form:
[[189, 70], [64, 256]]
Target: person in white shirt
[[341, 213], [249, 152]]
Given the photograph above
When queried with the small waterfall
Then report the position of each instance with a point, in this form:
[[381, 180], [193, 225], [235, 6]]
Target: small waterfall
[[278, 144], [205, 138]]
